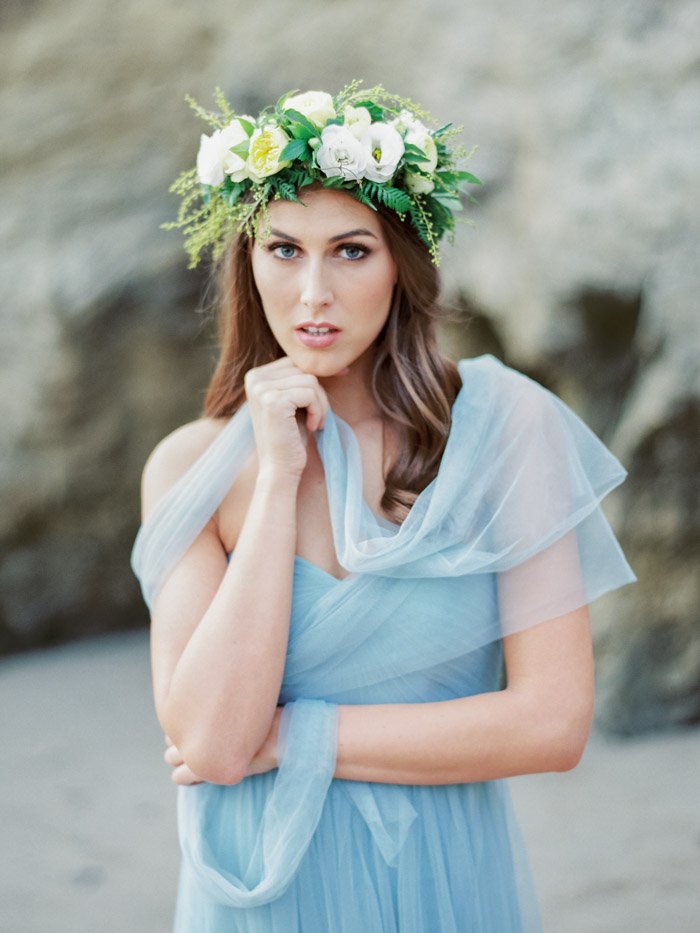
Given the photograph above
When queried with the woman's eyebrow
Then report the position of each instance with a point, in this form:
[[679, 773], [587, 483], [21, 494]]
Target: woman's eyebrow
[[359, 232], [284, 236]]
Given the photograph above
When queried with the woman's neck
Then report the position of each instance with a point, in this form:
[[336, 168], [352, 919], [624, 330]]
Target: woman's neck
[[350, 395]]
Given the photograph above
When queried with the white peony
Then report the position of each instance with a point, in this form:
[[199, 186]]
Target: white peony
[[357, 120], [266, 147], [340, 153], [316, 106], [383, 147], [215, 159]]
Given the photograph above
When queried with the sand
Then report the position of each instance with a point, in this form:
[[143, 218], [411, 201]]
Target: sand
[[88, 823]]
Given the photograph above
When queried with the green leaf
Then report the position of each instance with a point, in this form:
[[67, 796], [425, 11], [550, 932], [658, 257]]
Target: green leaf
[[296, 149], [334, 121], [285, 190], [467, 176], [241, 149], [298, 177], [442, 129], [419, 223], [375, 111], [410, 158], [283, 98], [299, 132], [293, 116], [247, 126], [410, 149], [361, 196], [230, 191], [334, 181], [451, 203], [396, 199]]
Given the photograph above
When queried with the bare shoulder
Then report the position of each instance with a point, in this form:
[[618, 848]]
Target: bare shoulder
[[174, 455]]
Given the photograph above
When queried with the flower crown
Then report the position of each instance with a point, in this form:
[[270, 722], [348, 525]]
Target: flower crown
[[371, 144]]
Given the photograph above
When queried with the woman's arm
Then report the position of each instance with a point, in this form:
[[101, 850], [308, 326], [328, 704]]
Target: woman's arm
[[539, 722], [219, 631]]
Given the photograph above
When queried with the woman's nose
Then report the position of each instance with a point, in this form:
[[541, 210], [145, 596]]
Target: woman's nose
[[316, 289]]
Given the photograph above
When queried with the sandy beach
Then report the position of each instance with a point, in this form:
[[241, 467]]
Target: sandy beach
[[88, 811]]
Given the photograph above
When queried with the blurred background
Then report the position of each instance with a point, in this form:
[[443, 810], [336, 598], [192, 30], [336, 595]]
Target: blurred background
[[582, 272]]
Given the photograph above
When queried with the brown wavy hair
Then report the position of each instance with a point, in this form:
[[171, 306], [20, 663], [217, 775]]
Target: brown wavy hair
[[413, 384]]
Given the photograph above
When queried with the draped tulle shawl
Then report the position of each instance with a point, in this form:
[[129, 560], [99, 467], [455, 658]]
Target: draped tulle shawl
[[510, 533]]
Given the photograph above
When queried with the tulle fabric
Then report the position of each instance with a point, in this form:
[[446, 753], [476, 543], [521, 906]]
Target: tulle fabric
[[509, 534]]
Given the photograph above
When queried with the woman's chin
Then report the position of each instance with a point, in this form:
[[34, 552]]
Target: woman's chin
[[323, 367]]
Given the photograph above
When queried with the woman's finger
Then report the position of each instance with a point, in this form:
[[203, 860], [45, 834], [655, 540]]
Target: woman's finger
[[283, 374], [185, 776], [172, 756]]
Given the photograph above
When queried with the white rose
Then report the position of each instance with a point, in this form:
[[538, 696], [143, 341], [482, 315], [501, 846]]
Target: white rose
[[357, 120], [210, 159], [418, 135], [418, 184], [316, 106], [403, 121], [234, 135], [340, 153], [383, 147], [266, 147], [215, 158]]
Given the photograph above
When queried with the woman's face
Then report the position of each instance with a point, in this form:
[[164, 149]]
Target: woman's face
[[326, 278]]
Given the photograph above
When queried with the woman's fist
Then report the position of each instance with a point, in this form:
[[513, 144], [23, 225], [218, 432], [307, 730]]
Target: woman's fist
[[285, 403]]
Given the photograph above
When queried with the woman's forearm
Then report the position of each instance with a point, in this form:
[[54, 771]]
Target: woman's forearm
[[477, 738], [539, 722], [224, 688]]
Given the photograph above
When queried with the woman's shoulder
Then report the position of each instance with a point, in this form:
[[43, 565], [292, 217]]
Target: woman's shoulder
[[174, 455], [487, 380]]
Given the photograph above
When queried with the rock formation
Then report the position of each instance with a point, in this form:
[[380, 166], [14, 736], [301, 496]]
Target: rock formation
[[582, 271]]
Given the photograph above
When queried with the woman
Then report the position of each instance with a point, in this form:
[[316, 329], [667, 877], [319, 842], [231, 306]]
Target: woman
[[342, 553]]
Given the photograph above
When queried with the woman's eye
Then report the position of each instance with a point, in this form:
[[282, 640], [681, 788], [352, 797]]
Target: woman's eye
[[284, 250], [353, 251]]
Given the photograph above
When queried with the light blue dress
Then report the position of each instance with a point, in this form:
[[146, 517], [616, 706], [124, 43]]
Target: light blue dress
[[509, 534]]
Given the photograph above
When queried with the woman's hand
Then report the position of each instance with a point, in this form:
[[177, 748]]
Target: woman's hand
[[277, 393], [182, 774]]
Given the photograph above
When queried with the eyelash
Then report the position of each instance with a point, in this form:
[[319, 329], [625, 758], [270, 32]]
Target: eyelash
[[363, 250]]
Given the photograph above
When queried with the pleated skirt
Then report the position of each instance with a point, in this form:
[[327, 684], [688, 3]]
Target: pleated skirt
[[457, 865]]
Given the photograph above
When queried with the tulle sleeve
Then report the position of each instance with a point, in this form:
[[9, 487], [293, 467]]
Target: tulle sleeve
[[517, 495], [549, 477], [296, 796]]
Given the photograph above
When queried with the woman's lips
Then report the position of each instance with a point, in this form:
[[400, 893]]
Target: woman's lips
[[317, 336]]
